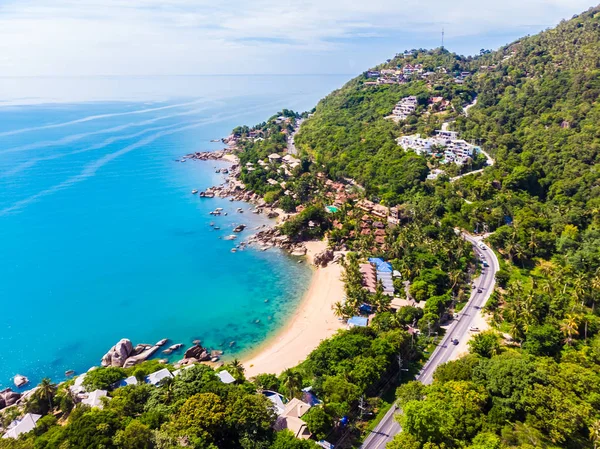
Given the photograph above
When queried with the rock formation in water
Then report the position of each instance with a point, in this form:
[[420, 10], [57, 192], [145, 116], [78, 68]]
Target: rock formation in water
[[118, 353], [8, 398], [197, 352]]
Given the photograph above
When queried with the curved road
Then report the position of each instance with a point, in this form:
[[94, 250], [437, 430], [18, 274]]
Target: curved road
[[458, 329]]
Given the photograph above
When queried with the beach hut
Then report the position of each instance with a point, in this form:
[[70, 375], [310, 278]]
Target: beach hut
[[77, 386], [290, 419], [156, 377], [225, 377], [385, 267], [131, 380], [22, 425], [94, 399], [277, 399], [358, 321], [309, 397]]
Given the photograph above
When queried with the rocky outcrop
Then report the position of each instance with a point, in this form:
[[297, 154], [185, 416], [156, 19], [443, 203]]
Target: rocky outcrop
[[323, 258], [209, 155], [8, 398], [139, 357], [197, 352], [118, 354]]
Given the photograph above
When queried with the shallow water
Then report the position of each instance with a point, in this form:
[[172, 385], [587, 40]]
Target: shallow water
[[101, 238]]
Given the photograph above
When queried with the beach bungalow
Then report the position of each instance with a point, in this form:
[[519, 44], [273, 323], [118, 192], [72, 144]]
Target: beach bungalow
[[290, 419], [94, 399], [22, 425], [365, 205], [358, 321], [131, 380], [274, 158], [277, 399], [380, 211], [309, 397], [156, 377], [77, 387], [225, 377]]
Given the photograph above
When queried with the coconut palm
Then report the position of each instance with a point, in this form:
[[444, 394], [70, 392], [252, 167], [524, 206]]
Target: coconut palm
[[46, 391], [545, 267], [569, 328], [237, 369], [595, 434], [291, 382], [338, 309]]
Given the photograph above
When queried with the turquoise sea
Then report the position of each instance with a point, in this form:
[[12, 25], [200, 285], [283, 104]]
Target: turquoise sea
[[100, 236]]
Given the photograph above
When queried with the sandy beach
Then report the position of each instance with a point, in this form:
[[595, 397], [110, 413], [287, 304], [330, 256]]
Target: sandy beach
[[312, 322]]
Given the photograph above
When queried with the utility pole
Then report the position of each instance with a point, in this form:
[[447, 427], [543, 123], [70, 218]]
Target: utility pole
[[361, 406]]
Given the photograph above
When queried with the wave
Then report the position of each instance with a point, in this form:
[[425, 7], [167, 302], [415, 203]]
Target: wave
[[97, 117], [91, 169], [30, 163], [75, 137]]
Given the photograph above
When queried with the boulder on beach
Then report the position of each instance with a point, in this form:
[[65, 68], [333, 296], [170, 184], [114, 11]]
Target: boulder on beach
[[323, 258], [117, 355]]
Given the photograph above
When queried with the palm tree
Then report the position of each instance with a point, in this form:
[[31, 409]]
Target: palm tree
[[46, 391], [238, 369], [569, 327], [545, 267], [595, 433], [291, 381], [339, 310]]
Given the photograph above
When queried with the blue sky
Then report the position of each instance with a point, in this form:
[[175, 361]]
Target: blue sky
[[153, 37]]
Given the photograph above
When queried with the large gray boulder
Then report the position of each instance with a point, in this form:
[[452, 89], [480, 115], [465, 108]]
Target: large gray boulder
[[197, 352], [323, 258], [118, 353], [8, 398]]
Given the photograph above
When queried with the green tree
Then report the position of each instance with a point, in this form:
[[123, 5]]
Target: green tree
[[286, 440], [291, 382], [319, 422], [45, 392], [135, 436], [485, 344], [103, 378]]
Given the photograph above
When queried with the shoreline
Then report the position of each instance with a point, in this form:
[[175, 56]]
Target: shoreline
[[312, 322]]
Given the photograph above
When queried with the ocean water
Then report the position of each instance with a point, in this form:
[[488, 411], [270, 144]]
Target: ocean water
[[100, 236]]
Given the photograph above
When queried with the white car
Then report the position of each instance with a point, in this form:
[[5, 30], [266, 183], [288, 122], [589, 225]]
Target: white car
[[474, 329]]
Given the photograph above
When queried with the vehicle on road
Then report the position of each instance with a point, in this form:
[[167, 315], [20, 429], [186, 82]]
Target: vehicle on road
[[479, 290], [455, 341], [474, 329]]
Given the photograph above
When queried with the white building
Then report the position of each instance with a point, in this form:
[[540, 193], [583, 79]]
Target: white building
[[455, 150], [156, 377], [449, 135], [225, 377], [22, 425], [435, 173], [405, 107], [94, 399], [416, 143]]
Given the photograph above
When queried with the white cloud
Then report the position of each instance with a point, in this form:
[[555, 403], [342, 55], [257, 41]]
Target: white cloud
[[86, 37]]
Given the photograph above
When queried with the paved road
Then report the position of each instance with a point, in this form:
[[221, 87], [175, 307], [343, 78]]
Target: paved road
[[458, 329], [291, 145]]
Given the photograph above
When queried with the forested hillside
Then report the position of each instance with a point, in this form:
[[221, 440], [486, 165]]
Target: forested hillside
[[531, 381], [538, 115]]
